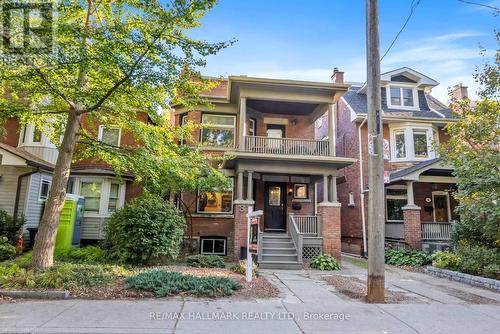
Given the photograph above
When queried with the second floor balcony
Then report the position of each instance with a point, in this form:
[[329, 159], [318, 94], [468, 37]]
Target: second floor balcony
[[286, 146]]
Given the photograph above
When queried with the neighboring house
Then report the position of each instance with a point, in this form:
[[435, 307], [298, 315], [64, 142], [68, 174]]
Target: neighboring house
[[418, 185], [27, 159], [267, 127]]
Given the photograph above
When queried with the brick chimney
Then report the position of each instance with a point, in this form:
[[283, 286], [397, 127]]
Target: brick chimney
[[459, 92], [337, 76]]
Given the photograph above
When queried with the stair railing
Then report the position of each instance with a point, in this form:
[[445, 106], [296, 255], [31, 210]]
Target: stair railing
[[297, 237]]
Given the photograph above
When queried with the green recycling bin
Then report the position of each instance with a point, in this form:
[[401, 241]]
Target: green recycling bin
[[68, 231]]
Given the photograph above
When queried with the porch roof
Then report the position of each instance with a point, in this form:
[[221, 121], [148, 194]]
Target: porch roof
[[432, 168], [286, 164]]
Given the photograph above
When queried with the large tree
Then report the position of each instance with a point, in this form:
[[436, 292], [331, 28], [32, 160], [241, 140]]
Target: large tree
[[474, 151], [112, 59]]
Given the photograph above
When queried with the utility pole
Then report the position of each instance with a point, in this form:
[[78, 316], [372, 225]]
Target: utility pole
[[376, 233]]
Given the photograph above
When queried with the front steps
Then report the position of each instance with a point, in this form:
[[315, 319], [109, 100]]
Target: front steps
[[279, 252]]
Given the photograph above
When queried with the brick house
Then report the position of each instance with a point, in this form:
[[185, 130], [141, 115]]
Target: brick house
[[27, 159], [269, 128], [418, 186]]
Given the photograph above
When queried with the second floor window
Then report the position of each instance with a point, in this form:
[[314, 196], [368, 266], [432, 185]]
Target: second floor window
[[218, 130], [412, 143], [110, 136]]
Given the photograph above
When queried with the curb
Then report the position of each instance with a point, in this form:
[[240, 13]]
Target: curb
[[483, 282], [35, 294]]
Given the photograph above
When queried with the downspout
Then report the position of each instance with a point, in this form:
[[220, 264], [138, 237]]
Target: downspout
[[18, 190], [361, 188]]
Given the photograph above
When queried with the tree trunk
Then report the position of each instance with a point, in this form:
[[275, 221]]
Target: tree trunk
[[43, 251]]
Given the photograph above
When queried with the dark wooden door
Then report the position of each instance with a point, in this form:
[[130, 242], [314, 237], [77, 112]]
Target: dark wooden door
[[275, 207]]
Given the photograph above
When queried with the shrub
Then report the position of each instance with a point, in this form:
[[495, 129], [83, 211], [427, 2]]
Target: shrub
[[87, 254], [206, 261], [446, 260], [9, 227], [324, 262], [165, 283], [406, 257], [146, 228], [7, 251], [13, 276], [475, 259], [241, 268]]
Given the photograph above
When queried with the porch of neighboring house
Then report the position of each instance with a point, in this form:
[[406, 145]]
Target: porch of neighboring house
[[420, 207]]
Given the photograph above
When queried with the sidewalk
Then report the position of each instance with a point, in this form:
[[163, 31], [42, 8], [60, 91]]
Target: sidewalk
[[307, 305]]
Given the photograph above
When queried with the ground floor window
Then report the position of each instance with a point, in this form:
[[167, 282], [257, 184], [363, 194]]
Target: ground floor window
[[102, 195], [44, 188], [216, 201], [213, 245], [395, 198]]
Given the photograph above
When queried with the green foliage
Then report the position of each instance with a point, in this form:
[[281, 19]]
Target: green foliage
[[145, 229], [446, 260], [11, 228], [406, 257], [241, 268], [479, 260], [7, 251], [206, 261], [324, 262], [164, 283], [87, 254]]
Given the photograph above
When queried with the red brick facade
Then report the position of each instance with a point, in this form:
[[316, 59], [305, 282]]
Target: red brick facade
[[331, 230], [412, 224]]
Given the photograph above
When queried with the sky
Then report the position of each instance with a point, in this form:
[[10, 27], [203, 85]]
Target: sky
[[306, 39]]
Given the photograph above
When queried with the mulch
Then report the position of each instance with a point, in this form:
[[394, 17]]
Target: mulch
[[354, 288]]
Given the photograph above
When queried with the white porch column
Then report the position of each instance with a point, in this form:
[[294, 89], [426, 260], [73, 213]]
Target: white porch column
[[242, 126], [250, 186], [239, 186], [331, 129], [325, 188], [333, 189], [409, 192]]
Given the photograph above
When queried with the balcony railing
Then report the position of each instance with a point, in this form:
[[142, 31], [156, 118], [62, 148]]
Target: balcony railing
[[286, 146], [436, 231]]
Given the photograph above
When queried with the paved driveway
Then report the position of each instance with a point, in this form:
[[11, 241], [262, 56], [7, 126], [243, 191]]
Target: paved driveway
[[307, 305]]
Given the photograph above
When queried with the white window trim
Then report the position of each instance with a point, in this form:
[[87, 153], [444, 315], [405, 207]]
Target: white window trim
[[105, 191], [409, 145], [252, 126], [217, 213], [400, 187], [223, 126], [202, 239], [101, 130], [448, 204], [416, 102], [43, 178], [27, 132]]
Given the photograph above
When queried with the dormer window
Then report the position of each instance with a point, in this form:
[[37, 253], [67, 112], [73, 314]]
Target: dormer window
[[402, 97]]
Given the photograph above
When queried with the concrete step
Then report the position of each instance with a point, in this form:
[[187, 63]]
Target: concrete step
[[279, 257], [278, 244], [286, 265], [278, 250]]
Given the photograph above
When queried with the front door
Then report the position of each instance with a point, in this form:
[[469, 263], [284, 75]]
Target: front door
[[275, 207], [440, 200]]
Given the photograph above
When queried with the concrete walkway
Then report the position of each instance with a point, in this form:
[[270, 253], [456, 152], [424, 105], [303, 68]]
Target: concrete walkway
[[307, 305]]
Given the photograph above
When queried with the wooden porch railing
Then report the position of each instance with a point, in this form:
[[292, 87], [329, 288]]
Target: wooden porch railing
[[297, 237], [308, 225], [436, 231], [288, 146]]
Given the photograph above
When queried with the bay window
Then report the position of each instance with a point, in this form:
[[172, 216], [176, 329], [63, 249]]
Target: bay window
[[103, 196], [402, 97], [218, 130], [412, 143]]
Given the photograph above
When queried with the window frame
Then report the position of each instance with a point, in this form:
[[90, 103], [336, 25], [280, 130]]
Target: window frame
[[396, 197], [101, 133], [213, 238], [300, 185], [401, 86], [105, 192], [42, 180], [252, 126], [408, 130], [217, 213], [183, 119], [219, 126]]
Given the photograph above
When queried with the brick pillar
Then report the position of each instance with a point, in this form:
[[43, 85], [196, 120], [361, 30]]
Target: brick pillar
[[240, 226], [330, 228], [413, 227]]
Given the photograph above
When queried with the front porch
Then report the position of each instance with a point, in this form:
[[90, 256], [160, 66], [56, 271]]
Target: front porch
[[420, 207]]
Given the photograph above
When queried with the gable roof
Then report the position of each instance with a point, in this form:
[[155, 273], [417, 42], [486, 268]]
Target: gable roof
[[30, 159], [413, 172]]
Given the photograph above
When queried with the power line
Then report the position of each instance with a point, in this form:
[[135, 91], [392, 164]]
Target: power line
[[481, 4]]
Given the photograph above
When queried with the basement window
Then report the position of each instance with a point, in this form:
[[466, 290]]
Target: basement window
[[213, 245]]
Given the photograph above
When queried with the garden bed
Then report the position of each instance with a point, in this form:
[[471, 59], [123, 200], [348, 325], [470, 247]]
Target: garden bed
[[483, 282]]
